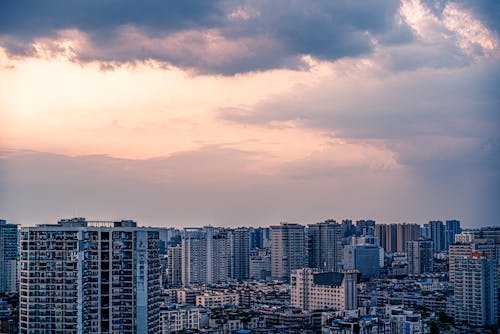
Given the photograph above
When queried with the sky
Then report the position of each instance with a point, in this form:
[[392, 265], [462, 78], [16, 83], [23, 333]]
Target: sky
[[250, 112]]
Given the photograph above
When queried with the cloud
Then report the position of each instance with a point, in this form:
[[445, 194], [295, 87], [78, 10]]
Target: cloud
[[214, 37]]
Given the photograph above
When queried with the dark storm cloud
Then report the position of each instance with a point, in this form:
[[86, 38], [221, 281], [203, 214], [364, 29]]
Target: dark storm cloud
[[272, 34], [32, 18]]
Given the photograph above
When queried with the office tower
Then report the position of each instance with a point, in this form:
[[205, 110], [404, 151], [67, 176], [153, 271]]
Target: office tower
[[365, 227], [406, 232], [206, 256], [256, 238], [420, 256], [476, 290], [81, 276], [311, 289], [364, 258], [436, 228], [174, 267], [8, 257], [240, 253], [452, 228], [325, 246], [288, 250]]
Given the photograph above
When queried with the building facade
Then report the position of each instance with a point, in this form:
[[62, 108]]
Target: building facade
[[325, 246], [240, 253], [288, 250], [437, 232], [8, 257], [311, 290], [81, 276], [364, 258], [206, 256], [420, 256], [476, 290]]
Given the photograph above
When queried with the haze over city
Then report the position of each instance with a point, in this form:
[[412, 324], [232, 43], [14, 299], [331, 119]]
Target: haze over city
[[232, 113]]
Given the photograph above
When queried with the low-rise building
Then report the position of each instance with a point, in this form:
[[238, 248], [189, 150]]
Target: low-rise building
[[311, 290], [217, 299]]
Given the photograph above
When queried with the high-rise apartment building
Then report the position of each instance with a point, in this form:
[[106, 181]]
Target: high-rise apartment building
[[437, 232], [460, 250], [206, 256], [406, 232], [240, 254], [174, 267], [394, 237], [311, 289], [325, 246], [81, 276], [476, 290], [8, 257], [420, 256], [288, 250]]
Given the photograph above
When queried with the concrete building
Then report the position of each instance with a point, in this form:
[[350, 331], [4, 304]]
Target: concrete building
[[325, 246], [394, 237], [460, 250], [240, 254], [174, 267], [217, 299], [260, 264], [180, 319], [81, 276], [206, 254], [8, 257], [420, 256], [452, 228], [476, 290], [364, 258], [311, 289], [406, 232], [288, 250], [437, 231]]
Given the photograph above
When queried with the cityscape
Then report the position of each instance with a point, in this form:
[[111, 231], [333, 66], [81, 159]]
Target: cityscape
[[250, 166], [82, 276]]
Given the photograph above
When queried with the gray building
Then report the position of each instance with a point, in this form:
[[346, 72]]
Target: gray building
[[81, 276], [476, 290], [8, 257], [174, 267], [364, 258], [240, 254], [206, 256], [420, 256], [325, 246], [437, 232], [288, 250]]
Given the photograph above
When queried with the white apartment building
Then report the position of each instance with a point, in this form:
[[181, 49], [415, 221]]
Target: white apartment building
[[476, 290], [311, 289], [81, 276], [180, 319]]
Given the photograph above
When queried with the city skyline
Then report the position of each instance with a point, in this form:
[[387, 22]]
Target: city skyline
[[225, 113]]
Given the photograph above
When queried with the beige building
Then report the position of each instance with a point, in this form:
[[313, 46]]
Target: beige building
[[311, 289], [216, 299]]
